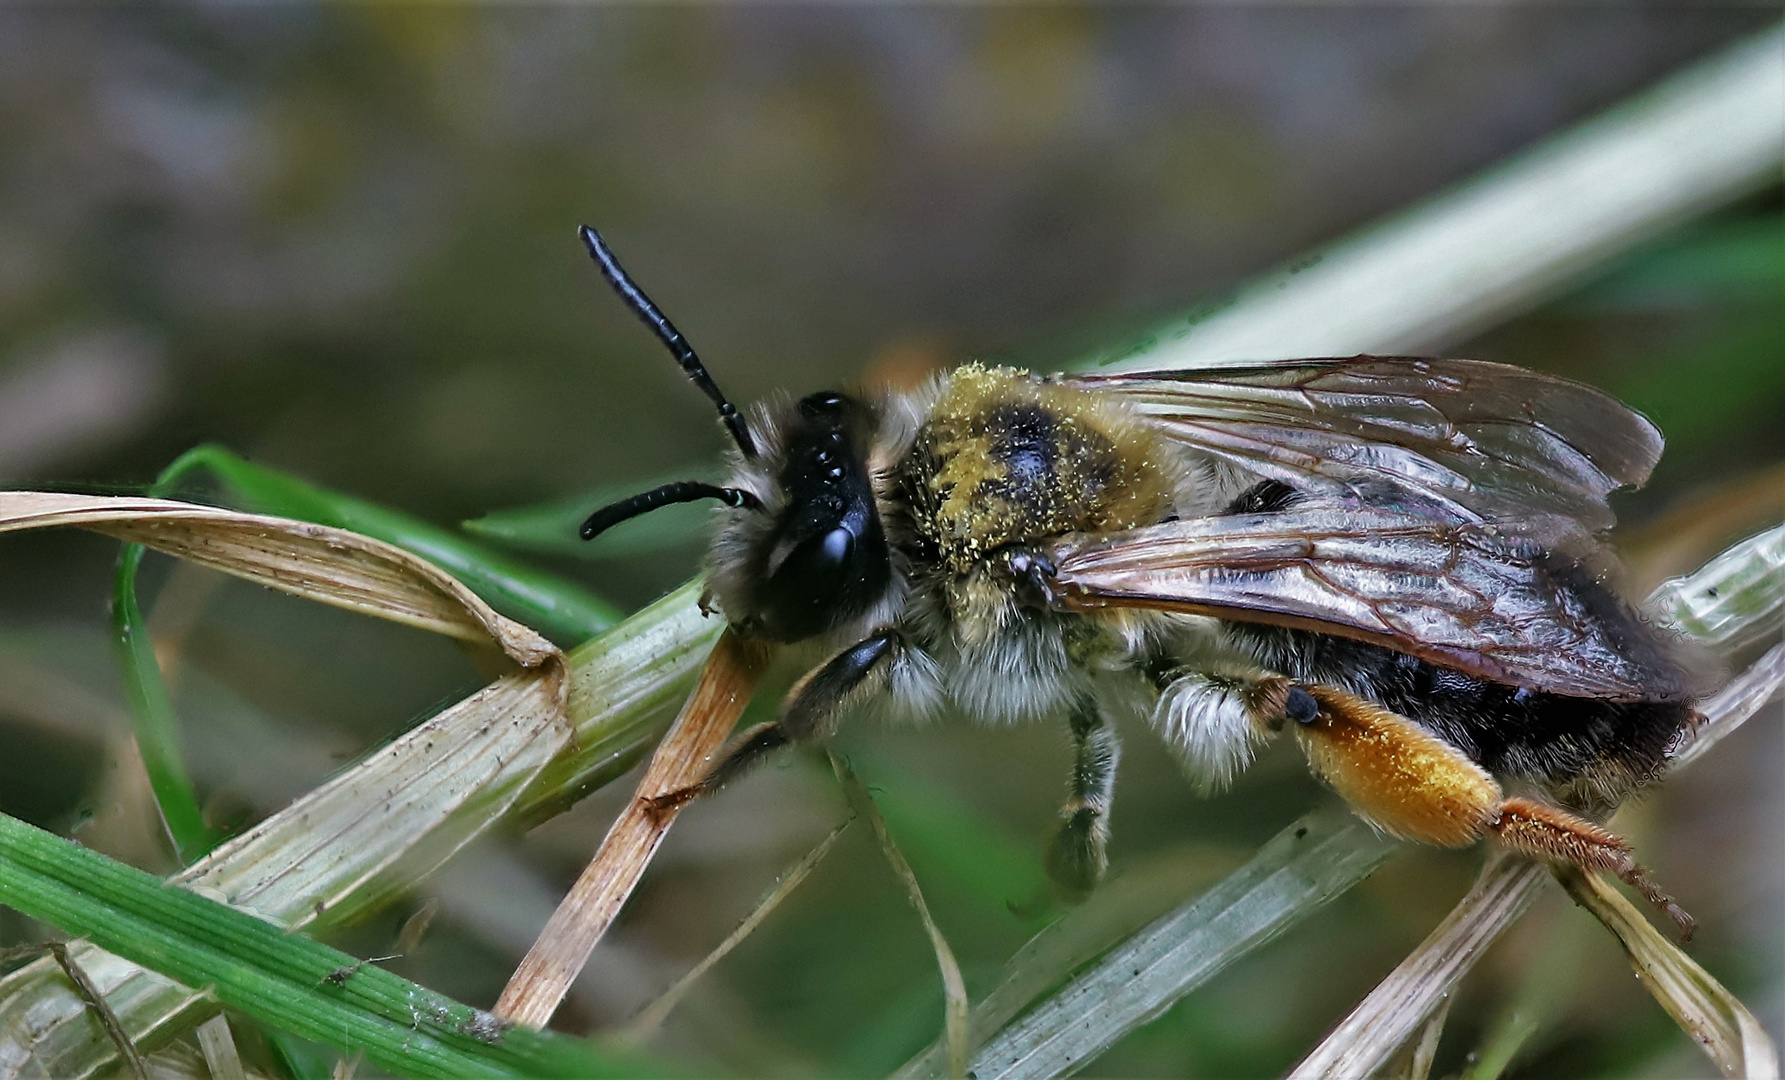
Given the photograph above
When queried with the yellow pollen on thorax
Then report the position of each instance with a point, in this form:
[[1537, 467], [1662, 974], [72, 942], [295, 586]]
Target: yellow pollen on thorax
[[1015, 459]]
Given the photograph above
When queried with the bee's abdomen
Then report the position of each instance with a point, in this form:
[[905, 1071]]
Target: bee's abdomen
[[1609, 747], [1005, 458], [1613, 746]]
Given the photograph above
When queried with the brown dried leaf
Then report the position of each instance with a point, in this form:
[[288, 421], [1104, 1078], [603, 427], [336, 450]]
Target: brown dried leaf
[[332, 566], [1395, 1010], [1414, 1061]]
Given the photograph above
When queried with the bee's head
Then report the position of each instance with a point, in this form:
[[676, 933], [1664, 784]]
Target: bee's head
[[821, 559], [806, 554]]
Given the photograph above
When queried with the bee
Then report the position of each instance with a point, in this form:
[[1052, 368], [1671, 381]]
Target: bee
[[1393, 559]]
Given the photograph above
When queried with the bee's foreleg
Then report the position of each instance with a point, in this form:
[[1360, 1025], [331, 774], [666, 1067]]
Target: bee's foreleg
[[808, 713], [811, 707], [1078, 854], [1413, 784], [736, 758]]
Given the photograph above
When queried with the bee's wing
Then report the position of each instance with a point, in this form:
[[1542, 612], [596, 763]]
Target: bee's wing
[[1462, 440], [1461, 596]]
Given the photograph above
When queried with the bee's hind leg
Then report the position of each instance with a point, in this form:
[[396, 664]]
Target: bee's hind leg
[[1413, 784], [1551, 833], [1078, 854], [808, 713]]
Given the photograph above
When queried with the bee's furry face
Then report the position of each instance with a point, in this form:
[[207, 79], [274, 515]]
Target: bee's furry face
[[815, 558]]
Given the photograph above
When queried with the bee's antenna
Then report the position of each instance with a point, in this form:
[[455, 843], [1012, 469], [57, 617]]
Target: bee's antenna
[[654, 318], [679, 492]]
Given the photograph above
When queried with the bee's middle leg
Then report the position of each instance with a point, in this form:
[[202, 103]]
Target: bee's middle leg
[[1078, 854], [809, 713]]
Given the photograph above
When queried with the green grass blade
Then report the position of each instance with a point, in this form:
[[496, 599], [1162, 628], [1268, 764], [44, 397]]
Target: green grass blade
[[461, 774], [560, 609], [156, 725], [1304, 866], [1735, 600], [280, 979], [551, 528], [625, 688]]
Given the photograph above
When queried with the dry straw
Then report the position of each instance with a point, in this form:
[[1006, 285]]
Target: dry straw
[[682, 759]]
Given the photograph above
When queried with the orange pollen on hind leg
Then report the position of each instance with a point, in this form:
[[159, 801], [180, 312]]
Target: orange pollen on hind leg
[[1406, 780]]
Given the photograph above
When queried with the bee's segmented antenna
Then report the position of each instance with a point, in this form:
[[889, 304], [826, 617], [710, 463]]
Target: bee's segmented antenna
[[654, 318], [679, 492]]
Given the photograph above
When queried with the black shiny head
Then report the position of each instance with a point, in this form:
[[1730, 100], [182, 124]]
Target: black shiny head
[[823, 559], [826, 559]]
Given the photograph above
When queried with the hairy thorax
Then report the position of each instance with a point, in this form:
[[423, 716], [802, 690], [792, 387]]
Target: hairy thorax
[[1006, 458]]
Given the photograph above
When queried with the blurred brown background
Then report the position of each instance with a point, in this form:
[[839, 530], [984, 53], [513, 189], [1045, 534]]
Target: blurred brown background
[[340, 240]]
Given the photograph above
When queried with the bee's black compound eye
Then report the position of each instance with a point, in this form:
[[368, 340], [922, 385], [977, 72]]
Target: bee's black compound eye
[[1300, 706], [817, 578]]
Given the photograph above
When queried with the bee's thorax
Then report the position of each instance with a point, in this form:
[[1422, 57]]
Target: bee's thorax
[[1005, 458]]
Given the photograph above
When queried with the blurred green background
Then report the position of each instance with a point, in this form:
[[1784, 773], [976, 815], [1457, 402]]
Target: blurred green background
[[340, 240]]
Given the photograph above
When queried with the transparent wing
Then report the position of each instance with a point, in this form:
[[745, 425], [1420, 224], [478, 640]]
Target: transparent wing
[[1462, 440], [1462, 596]]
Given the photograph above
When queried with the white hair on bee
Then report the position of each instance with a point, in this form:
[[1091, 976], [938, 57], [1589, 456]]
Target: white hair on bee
[[1206, 485], [1020, 676], [1205, 721], [913, 690], [730, 572]]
